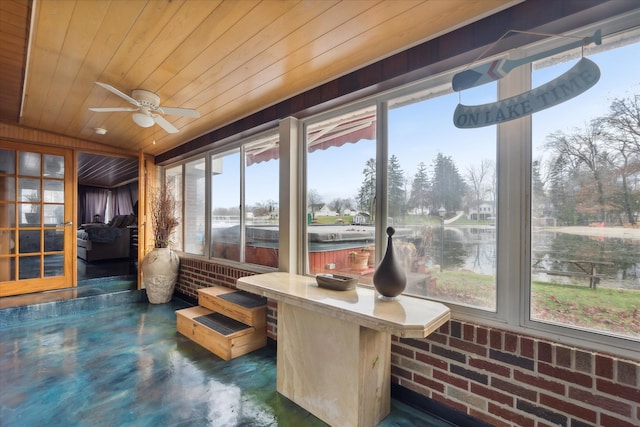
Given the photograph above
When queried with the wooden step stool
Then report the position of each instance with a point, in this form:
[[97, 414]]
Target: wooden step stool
[[227, 322]]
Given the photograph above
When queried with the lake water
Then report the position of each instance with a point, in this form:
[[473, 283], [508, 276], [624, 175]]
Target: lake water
[[474, 249]]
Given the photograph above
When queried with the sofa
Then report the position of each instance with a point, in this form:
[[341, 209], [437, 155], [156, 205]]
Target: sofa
[[97, 242]]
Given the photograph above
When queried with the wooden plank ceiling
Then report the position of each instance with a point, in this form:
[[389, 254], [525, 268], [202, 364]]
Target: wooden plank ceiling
[[225, 58], [96, 170]]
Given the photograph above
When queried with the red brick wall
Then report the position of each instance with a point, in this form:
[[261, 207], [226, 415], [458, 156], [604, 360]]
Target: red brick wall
[[508, 379], [195, 274], [503, 378]]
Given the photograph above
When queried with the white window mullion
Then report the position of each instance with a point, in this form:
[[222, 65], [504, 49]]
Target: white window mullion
[[243, 206], [382, 161], [208, 171], [514, 154], [290, 198]]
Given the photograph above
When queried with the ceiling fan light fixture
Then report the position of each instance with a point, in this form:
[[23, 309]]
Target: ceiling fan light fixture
[[142, 120], [147, 110]]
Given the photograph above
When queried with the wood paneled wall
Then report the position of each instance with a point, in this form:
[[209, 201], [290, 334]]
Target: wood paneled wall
[[14, 35], [21, 134]]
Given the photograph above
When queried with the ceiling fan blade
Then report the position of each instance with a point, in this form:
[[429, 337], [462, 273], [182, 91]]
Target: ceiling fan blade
[[117, 92], [177, 111], [112, 109], [164, 124]]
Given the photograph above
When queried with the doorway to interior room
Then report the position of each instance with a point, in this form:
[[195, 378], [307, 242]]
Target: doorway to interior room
[[107, 222]]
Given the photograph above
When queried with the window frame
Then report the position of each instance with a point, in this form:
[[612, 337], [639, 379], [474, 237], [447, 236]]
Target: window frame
[[513, 228], [598, 340], [238, 145], [514, 168]]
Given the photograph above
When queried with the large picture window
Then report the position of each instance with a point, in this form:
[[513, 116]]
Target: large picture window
[[341, 194], [440, 193], [442, 197], [585, 240], [225, 205], [261, 180]]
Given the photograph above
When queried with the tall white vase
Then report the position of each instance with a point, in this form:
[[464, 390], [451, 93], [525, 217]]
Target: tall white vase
[[160, 274]]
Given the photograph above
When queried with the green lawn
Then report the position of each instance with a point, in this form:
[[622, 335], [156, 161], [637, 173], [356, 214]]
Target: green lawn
[[346, 219], [464, 287], [612, 310]]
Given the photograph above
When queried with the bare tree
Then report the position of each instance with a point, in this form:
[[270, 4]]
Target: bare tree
[[623, 139], [313, 201], [477, 177], [624, 118], [264, 208], [583, 151], [339, 205]]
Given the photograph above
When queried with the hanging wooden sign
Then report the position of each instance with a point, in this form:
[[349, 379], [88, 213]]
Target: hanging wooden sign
[[495, 70], [577, 80]]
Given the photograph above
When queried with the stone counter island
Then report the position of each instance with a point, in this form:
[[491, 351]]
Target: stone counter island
[[334, 347]]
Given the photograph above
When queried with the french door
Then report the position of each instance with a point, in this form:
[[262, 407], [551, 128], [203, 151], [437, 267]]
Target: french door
[[36, 218]]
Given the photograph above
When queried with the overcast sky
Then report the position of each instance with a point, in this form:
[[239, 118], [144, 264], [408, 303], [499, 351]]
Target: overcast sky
[[419, 131]]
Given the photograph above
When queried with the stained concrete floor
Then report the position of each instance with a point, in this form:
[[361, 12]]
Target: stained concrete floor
[[127, 366]]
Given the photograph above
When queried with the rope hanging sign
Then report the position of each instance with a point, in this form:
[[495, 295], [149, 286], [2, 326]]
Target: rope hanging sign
[[582, 76]]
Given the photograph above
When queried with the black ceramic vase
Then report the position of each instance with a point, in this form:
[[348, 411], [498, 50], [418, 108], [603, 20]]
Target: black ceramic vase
[[389, 278]]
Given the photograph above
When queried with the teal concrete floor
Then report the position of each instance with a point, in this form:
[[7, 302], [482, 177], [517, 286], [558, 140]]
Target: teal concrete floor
[[127, 366]]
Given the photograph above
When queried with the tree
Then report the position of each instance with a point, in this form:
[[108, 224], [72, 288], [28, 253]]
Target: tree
[[313, 201], [448, 187], [583, 153], [419, 196], [624, 117], [560, 183], [477, 177], [263, 209], [539, 197], [395, 188], [367, 194], [339, 205], [623, 139]]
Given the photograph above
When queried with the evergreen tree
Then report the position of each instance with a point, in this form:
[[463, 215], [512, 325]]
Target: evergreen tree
[[367, 194], [395, 188], [419, 196], [448, 186]]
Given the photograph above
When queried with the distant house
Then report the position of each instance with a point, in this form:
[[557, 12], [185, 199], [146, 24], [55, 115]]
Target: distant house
[[361, 218], [483, 211], [325, 211]]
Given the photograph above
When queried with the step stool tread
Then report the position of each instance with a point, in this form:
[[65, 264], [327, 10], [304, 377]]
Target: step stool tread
[[244, 299], [221, 323], [215, 290]]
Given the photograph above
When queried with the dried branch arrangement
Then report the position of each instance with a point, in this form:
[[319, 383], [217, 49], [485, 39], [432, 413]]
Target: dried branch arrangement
[[163, 207]]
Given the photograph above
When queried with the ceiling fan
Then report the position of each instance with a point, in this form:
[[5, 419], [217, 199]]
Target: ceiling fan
[[147, 110]]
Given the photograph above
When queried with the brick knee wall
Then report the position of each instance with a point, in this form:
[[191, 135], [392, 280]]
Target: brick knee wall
[[503, 378], [509, 379]]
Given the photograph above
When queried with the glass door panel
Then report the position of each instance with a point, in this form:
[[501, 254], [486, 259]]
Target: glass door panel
[[7, 162]]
